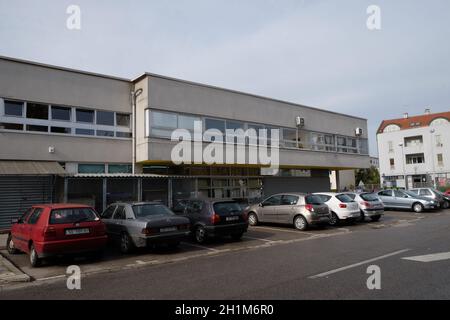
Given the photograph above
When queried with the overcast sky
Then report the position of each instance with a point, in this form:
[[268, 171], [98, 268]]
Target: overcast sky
[[318, 53]]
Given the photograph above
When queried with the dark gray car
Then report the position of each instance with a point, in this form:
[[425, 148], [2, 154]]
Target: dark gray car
[[142, 224], [210, 218]]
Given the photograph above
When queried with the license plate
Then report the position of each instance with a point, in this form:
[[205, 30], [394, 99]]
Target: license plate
[[168, 229], [71, 232], [232, 218]]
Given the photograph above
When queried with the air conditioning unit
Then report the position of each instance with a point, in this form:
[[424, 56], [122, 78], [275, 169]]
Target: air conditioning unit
[[300, 122], [358, 132]]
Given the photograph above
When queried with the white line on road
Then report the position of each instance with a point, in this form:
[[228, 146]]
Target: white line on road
[[260, 239], [51, 278], [283, 230], [199, 246], [430, 257], [324, 274]]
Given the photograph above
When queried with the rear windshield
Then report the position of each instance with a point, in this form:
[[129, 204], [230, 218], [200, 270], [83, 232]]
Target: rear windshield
[[145, 210], [313, 199], [344, 198], [369, 197], [223, 208], [72, 215]]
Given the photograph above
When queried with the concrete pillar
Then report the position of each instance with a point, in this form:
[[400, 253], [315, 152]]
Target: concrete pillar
[[104, 191], [169, 192], [66, 190], [338, 182]]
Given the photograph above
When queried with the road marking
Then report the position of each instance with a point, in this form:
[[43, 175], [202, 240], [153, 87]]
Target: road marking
[[260, 239], [199, 246], [51, 278], [283, 230], [324, 274], [430, 257]]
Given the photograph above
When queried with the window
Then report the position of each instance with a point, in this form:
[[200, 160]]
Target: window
[[323, 142], [34, 217], [440, 159], [289, 200], [61, 113], [391, 146], [313, 199], [227, 207], [425, 192], [385, 193], [37, 111], [351, 195], [187, 122], [415, 158], [344, 198], [91, 168], [438, 122], [104, 133], [194, 206], [290, 138], [414, 141], [61, 130], [119, 168], [392, 163], [146, 210], [120, 134], [439, 141], [25, 215], [107, 214], [215, 124], [11, 126], [120, 213], [324, 197], [347, 144], [13, 108], [37, 128], [162, 124], [105, 118], [391, 128], [85, 132], [233, 125], [123, 120], [400, 194], [72, 215], [272, 201], [86, 116]]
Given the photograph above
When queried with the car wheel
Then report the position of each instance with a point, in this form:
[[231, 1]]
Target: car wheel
[[10, 245], [334, 220], [446, 205], [200, 234], [252, 219], [126, 244], [35, 261], [300, 223], [375, 218], [237, 236], [417, 207]]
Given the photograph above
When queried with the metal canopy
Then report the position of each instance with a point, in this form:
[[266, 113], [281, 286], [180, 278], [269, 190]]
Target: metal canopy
[[31, 168]]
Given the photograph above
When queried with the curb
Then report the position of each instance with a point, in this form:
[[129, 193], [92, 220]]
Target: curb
[[14, 274]]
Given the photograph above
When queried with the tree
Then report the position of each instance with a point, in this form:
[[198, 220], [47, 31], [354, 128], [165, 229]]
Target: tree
[[368, 176]]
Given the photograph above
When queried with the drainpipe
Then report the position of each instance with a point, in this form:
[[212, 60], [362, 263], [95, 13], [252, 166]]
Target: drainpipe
[[134, 95]]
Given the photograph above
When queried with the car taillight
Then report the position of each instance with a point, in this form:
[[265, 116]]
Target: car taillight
[[309, 207], [215, 218], [148, 231], [365, 203], [342, 205], [49, 233]]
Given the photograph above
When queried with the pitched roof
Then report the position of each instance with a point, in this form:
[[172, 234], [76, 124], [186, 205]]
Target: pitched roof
[[423, 120]]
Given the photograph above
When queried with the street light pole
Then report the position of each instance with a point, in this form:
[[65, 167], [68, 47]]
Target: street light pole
[[403, 165]]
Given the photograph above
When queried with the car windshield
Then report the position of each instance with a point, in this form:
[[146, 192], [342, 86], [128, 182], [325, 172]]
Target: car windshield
[[344, 198], [72, 215], [145, 210], [313, 199], [369, 197], [223, 208]]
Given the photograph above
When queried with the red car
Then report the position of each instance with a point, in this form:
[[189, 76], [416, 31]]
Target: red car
[[57, 229], [447, 192]]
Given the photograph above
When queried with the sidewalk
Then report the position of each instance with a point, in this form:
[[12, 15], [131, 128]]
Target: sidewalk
[[8, 272]]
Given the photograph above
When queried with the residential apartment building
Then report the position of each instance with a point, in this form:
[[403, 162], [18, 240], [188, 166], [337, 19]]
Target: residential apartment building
[[415, 151], [76, 136]]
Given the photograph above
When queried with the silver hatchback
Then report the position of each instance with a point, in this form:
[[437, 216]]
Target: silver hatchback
[[301, 210]]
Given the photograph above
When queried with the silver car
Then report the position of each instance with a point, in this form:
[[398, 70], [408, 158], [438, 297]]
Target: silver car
[[142, 224], [369, 204], [401, 199], [299, 209], [434, 194]]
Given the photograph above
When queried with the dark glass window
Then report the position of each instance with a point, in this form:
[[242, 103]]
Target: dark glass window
[[66, 216], [344, 198], [37, 128], [37, 111], [123, 134], [215, 124], [120, 213], [105, 118], [86, 132], [119, 168], [85, 116], [34, 217], [11, 126], [103, 133], [13, 108], [273, 201], [61, 113], [60, 130], [107, 214], [91, 168], [123, 119]]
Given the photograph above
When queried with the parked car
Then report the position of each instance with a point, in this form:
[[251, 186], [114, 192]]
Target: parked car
[[301, 210], [342, 207], [210, 218], [447, 192], [401, 199], [57, 229], [431, 193], [369, 204], [142, 224]]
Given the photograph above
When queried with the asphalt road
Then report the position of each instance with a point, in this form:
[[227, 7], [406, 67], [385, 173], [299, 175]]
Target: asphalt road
[[322, 267]]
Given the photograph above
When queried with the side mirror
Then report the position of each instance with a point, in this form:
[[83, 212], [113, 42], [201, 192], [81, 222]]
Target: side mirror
[[261, 205]]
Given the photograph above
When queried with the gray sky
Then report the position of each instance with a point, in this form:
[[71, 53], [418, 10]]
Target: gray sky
[[318, 53]]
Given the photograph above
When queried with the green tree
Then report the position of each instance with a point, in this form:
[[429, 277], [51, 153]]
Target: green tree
[[368, 176]]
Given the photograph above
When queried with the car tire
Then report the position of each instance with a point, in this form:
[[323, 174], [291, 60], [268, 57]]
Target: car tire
[[200, 234], [237, 236], [446, 205], [10, 245], [375, 218], [334, 220], [300, 223], [417, 207], [35, 261], [126, 243], [253, 219]]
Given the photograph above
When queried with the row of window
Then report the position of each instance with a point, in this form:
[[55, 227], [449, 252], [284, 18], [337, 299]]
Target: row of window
[[418, 158], [104, 168], [162, 124]]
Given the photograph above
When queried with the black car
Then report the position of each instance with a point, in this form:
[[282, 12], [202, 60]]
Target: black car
[[210, 218]]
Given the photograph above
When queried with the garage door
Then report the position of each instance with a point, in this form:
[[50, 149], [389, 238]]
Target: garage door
[[19, 192]]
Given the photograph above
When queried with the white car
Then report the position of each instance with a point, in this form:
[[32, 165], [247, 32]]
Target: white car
[[369, 204], [342, 207]]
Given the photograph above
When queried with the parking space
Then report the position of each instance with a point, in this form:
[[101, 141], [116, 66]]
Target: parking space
[[259, 236]]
